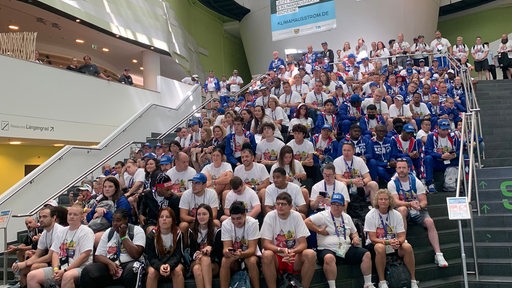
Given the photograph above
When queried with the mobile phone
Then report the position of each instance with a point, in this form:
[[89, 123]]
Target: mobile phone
[[323, 194], [231, 250]]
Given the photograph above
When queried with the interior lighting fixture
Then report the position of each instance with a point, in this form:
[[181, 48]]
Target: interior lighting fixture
[[58, 145], [134, 61], [141, 68], [105, 49], [15, 142], [79, 41], [13, 27]]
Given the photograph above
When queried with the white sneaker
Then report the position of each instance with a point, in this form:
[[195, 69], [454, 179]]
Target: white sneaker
[[383, 284], [414, 284], [440, 261], [369, 285]]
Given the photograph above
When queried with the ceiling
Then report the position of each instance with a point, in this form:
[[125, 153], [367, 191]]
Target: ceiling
[[228, 8], [57, 35], [461, 6]]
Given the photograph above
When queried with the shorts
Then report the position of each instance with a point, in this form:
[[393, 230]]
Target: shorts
[[481, 65], [354, 255], [285, 267], [371, 248], [418, 218], [48, 276]]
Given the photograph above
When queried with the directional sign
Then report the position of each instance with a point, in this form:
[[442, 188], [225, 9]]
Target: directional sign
[[485, 208], [458, 208]]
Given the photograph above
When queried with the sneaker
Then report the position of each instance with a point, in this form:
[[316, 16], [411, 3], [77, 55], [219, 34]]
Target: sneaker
[[414, 284], [440, 261], [369, 285], [431, 188], [383, 284]]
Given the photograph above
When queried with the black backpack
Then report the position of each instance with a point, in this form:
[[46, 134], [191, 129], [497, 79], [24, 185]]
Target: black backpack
[[397, 274]]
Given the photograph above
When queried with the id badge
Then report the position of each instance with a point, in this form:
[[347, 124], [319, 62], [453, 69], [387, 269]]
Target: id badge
[[70, 252], [64, 266], [343, 247], [414, 212], [389, 249]]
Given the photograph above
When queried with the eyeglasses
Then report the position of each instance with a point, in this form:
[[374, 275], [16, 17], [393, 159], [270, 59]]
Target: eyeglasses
[[336, 204], [283, 204]]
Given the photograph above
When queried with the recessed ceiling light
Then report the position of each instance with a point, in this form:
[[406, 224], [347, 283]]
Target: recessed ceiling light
[[141, 68], [152, 48], [77, 20], [105, 49], [13, 27], [80, 41], [15, 142], [134, 61], [58, 145]]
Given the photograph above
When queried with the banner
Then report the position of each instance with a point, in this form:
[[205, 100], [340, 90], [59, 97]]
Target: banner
[[291, 18]]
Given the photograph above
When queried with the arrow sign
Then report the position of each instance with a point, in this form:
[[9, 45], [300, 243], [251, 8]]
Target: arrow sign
[[483, 184], [486, 208], [51, 128]]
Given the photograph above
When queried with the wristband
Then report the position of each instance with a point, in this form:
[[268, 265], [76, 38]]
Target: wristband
[[122, 238], [55, 269]]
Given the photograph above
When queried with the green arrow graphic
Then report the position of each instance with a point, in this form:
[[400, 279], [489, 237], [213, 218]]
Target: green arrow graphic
[[483, 184], [506, 204], [486, 208]]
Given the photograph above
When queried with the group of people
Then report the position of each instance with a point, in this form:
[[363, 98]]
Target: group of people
[[264, 180]]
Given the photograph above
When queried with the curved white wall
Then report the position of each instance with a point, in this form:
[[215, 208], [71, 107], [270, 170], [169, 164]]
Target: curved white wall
[[373, 19]]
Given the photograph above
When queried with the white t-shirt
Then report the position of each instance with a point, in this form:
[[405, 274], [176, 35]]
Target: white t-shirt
[[344, 227], [301, 89], [350, 169], [139, 176], [235, 81], [382, 107], [278, 114], [422, 110], [318, 99], [440, 46], [406, 188], [393, 220], [293, 189], [216, 172], [299, 169], [109, 248], [72, 243], [421, 134], [479, 51], [48, 237], [306, 122], [241, 236], [180, 179], [269, 150], [191, 201], [255, 176], [295, 97], [338, 187], [283, 232], [249, 197], [395, 112], [301, 152]]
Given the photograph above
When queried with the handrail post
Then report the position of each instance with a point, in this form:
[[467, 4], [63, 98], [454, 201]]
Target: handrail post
[[461, 155]]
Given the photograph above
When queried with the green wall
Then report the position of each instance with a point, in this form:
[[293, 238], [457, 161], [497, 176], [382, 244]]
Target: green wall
[[225, 52], [489, 24]]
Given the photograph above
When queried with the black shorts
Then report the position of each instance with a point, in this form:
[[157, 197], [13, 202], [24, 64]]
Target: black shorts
[[481, 65], [353, 256], [371, 248]]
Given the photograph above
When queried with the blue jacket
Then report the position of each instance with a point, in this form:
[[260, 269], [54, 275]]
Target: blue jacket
[[275, 63], [331, 150], [397, 150], [216, 82], [380, 152], [432, 147], [361, 145], [344, 113], [230, 146], [321, 120], [363, 123]]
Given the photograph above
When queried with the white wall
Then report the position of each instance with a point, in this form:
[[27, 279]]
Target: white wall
[[78, 107], [374, 20]]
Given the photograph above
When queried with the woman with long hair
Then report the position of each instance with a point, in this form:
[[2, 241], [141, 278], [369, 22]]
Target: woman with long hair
[[219, 137], [246, 115], [152, 169], [200, 154], [259, 118], [218, 173], [277, 113], [301, 117], [294, 170], [164, 251], [205, 247], [382, 53]]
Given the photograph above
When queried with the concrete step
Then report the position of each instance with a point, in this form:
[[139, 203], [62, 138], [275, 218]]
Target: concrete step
[[491, 266], [491, 221], [485, 281], [495, 172], [489, 234], [502, 206], [497, 162], [446, 282], [430, 272], [490, 249]]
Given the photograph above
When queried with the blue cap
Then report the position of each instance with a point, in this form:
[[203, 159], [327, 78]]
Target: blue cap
[[147, 145], [240, 99], [409, 128], [327, 126], [149, 155], [158, 145], [351, 55], [250, 104], [444, 124], [357, 66], [199, 177], [165, 159], [374, 84], [355, 98], [231, 99], [409, 71], [338, 198], [193, 122], [221, 111]]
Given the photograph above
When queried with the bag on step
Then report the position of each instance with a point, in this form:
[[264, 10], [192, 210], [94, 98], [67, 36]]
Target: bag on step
[[450, 179], [240, 280], [397, 274]]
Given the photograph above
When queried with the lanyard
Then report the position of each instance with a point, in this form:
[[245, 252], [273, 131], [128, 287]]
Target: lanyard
[[243, 234], [401, 190], [385, 225], [349, 167], [72, 237], [320, 103], [338, 228], [333, 186]]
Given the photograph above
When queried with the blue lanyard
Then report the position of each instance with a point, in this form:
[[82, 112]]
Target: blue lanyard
[[349, 167], [384, 224], [337, 229], [333, 186], [402, 191]]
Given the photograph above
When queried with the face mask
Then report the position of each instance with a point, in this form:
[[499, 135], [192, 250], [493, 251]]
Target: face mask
[[504, 41], [372, 116]]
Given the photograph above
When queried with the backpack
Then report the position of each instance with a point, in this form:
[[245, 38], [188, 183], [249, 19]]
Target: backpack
[[396, 273], [240, 280], [450, 179], [358, 207], [130, 232], [289, 281]]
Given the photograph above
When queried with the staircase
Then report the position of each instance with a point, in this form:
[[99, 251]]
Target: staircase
[[495, 101], [493, 229]]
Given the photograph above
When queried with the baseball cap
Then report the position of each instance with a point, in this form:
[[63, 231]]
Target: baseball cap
[[409, 128], [221, 111], [199, 177], [149, 155], [147, 145], [52, 203], [355, 98], [195, 76], [165, 159], [374, 84], [422, 60], [450, 71], [193, 122], [327, 126], [351, 55], [339, 86], [399, 97], [444, 124], [85, 187], [338, 198], [163, 181]]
